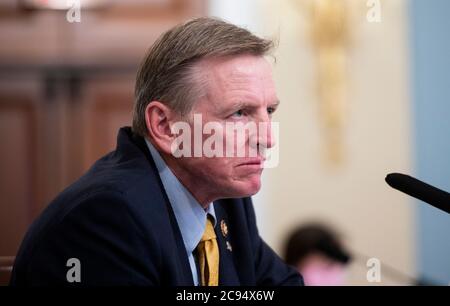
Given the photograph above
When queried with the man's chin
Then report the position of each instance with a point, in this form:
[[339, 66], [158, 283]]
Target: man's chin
[[248, 188]]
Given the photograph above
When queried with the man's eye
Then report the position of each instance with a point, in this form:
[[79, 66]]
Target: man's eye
[[270, 110], [238, 114]]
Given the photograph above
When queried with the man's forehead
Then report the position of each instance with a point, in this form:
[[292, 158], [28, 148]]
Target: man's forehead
[[239, 72], [240, 66]]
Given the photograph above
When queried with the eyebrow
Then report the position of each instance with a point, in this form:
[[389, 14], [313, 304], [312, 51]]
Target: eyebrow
[[276, 103], [243, 104]]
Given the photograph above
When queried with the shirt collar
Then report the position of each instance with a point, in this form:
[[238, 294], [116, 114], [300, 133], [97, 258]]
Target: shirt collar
[[190, 215]]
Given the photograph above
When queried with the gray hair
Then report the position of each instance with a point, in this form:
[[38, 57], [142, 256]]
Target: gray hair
[[167, 73]]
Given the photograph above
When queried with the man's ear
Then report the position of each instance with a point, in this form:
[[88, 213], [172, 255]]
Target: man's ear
[[157, 119]]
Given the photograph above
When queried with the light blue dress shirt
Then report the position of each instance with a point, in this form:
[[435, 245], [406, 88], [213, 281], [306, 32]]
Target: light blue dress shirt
[[190, 215]]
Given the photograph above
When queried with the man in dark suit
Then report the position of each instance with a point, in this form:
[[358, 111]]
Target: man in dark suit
[[165, 208]]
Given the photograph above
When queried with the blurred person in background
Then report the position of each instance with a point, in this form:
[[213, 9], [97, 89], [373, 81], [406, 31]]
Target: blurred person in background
[[317, 253]]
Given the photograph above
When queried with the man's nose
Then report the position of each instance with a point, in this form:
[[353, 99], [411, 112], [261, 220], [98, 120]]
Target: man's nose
[[265, 136]]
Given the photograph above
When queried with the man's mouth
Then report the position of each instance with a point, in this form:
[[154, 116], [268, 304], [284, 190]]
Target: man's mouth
[[256, 161]]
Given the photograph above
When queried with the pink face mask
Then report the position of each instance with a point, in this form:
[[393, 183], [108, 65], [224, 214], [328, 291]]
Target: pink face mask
[[321, 273]]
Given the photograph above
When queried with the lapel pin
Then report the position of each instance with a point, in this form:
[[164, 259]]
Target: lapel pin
[[229, 248], [224, 228]]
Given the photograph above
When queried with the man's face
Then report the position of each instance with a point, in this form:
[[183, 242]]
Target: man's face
[[239, 90]]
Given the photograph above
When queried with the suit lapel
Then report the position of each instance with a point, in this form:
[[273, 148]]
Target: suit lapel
[[227, 270], [186, 275], [159, 195]]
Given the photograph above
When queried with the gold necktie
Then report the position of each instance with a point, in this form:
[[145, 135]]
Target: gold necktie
[[208, 256]]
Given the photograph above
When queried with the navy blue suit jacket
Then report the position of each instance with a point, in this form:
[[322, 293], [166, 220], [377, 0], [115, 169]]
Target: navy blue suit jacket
[[118, 222]]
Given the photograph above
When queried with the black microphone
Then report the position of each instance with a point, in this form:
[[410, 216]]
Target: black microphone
[[420, 190]]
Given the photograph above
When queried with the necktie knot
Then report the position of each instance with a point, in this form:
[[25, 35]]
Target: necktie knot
[[209, 231]]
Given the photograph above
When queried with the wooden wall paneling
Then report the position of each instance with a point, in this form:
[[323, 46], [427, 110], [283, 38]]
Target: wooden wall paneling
[[107, 106], [116, 35], [18, 164]]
